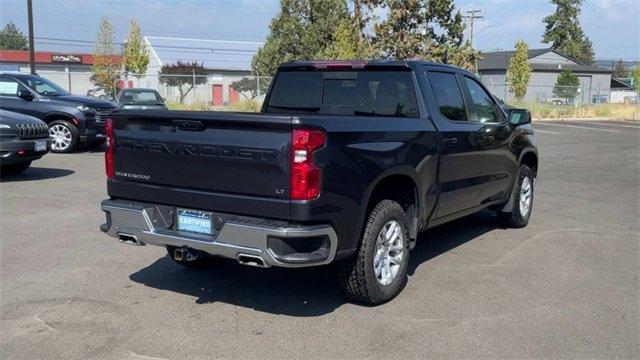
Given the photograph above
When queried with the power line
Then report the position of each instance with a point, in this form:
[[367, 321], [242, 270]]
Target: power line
[[472, 17], [154, 46]]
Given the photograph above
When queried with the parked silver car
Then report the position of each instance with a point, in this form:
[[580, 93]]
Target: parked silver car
[[141, 99]]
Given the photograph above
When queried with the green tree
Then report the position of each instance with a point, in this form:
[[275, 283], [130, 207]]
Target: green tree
[[619, 70], [12, 39], [567, 85], [345, 44], [445, 35], [249, 85], [135, 52], [302, 29], [361, 19], [564, 33], [428, 29], [400, 34], [184, 76], [519, 71], [635, 77], [106, 62]]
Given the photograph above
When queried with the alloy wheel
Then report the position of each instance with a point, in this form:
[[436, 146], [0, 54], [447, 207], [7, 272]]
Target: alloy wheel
[[526, 196], [389, 252], [61, 137]]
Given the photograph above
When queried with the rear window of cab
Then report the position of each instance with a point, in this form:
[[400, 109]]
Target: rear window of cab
[[355, 93]]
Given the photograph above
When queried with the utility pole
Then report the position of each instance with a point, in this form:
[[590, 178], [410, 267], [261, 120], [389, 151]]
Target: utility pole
[[32, 51], [472, 17]]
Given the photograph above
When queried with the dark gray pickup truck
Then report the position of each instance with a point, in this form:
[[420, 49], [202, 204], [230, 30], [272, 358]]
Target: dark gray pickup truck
[[346, 164]]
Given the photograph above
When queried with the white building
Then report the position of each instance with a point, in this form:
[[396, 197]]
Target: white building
[[225, 61]]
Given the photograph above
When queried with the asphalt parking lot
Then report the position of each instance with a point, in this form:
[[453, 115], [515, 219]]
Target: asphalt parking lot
[[564, 287]]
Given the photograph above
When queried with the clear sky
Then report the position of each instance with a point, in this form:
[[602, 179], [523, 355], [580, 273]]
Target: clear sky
[[612, 25]]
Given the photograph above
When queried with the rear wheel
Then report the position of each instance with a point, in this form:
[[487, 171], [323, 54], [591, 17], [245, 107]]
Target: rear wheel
[[377, 272], [522, 200], [64, 136], [16, 168]]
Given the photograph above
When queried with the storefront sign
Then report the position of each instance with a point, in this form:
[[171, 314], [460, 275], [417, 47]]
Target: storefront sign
[[66, 58]]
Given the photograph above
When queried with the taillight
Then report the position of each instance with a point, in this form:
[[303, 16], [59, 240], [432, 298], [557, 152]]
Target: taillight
[[108, 154], [305, 174]]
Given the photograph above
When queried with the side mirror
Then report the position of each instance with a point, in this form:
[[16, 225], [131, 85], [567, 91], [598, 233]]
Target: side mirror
[[25, 95], [519, 117]]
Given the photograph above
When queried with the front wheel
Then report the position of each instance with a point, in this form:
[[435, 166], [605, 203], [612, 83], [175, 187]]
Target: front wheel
[[521, 200], [377, 272], [64, 136]]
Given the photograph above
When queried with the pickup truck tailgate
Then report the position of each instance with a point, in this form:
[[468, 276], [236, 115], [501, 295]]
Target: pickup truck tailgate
[[217, 152]]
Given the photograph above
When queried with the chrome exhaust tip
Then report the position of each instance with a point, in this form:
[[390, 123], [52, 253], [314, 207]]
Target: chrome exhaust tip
[[251, 260], [129, 239]]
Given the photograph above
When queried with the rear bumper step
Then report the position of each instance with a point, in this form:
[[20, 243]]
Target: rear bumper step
[[251, 241]]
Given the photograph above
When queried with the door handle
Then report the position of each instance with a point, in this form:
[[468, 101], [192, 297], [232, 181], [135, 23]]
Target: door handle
[[450, 141]]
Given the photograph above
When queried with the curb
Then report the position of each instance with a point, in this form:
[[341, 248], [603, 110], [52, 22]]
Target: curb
[[585, 119]]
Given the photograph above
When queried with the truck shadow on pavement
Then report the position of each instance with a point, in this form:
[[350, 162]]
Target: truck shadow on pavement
[[36, 173], [306, 292]]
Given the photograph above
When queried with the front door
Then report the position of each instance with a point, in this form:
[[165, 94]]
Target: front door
[[499, 165], [461, 151]]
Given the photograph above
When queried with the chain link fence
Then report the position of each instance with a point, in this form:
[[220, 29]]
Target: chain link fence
[[189, 92], [566, 95], [240, 92]]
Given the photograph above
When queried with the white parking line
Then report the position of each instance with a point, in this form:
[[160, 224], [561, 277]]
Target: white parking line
[[547, 132], [614, 124], [577, 127]]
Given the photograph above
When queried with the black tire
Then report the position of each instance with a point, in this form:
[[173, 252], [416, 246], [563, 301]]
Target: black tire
[[203, 260], [515, 218], [357, 275], [74, 136], [16, 168]]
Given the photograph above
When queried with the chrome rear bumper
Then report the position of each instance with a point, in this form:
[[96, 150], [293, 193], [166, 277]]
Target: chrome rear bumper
[[237, 237]]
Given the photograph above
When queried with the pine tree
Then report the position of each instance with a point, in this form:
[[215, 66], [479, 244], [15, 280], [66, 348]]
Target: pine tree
[[564, 33], [427, 29], [519, 71], [12, 39], [135, 52], [303, 29], [106, 62], [345, 44], [400, 35], [567, 85], [619, 70], [361, 18], [445, 35]]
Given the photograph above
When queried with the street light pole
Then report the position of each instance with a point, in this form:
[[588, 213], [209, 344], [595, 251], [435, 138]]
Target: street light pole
[[32, 51]]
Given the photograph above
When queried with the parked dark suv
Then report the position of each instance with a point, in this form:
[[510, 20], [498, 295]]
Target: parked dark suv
[[72, 119], [23, 139]]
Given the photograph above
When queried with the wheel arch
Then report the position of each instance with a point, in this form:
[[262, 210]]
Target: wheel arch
[[530, 158], [58, 115], [400, 185]]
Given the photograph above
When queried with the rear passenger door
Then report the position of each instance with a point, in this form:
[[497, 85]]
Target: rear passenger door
[[461, 151]]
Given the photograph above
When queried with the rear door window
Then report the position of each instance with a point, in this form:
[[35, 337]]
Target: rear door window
[[359, 93], [448, 96], [10, 87]]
